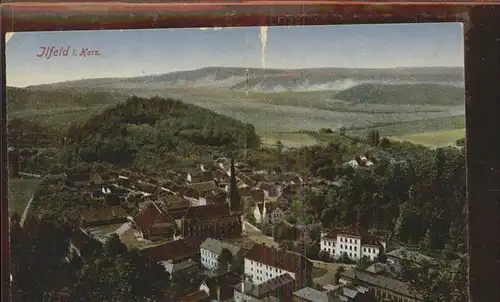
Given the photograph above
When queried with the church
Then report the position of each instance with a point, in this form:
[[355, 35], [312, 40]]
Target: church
[[216, 220]]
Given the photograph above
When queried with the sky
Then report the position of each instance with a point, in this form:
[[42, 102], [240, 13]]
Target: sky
[[128, 53]]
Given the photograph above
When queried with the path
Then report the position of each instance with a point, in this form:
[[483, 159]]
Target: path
[[26, 209]]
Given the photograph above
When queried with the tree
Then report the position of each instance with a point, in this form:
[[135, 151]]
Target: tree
[[114, 247], [225, 259], [38, 250], [279, 147], [342, 131], [338, 273], [325, 130], [374, 137]]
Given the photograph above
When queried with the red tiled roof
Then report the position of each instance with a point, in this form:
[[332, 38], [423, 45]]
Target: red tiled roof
[[174, 250], [285, 260], [149, 216], [208, 211]]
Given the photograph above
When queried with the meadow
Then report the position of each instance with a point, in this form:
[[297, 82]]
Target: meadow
[[441, 138], [20, 191], [276, 116]]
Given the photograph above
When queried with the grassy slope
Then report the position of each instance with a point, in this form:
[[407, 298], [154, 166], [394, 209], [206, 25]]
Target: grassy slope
[[435, 138], [303, 109], [413, 94], [432, 132], [20, 191]]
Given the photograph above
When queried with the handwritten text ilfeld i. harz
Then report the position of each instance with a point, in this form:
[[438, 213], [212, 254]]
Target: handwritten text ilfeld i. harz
[[48, 52]]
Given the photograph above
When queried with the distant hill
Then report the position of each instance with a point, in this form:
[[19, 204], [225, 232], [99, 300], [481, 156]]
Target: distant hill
[[403, 94], [271, 80], [25, 99], [120, 133]]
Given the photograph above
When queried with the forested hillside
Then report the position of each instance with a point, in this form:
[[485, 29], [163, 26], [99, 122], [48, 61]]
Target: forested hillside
[[25, 99], [159, 126], [404, 94]]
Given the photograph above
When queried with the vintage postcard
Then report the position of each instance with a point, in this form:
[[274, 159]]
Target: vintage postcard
[[312, 163]]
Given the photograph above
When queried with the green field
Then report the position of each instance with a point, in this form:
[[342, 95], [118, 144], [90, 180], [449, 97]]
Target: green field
[[414, 127], [289, 139], [20, 191], [435, 138], [58, 116], [276, 116]]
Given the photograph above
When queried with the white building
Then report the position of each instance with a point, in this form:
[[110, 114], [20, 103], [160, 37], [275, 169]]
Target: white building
[[353, 241], [263, 263], [268, 212], [353, 163], [210, 251]]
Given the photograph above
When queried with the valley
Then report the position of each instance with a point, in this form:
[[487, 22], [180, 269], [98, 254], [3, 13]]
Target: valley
[[393, 105]]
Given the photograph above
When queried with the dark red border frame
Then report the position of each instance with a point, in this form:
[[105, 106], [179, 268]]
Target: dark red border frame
[[482, 65]]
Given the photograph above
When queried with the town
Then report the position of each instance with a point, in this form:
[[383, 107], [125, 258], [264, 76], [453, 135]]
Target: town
[[181, 165], [220, 227]]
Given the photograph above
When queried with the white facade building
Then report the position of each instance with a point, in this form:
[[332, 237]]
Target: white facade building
[[353, 241], [260, 272], [263, 263], [210, 251]]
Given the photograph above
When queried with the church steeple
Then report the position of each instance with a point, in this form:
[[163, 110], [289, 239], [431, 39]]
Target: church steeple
[[234, 198]]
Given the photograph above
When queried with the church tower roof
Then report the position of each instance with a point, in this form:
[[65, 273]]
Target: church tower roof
[[234, 197]]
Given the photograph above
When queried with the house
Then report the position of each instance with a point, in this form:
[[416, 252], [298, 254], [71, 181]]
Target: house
[[211, 251], [270, 189], [154, 222], [353, 241], [247, 180], [173, 251], [385, 288], [353, 163], [308, 294], [221, 287], [262, 263], [269, 212], [278, 288], [180, 269], [340, 293], [212, 220], [398, 255], [145, 187], [93, 216], [203, 186]]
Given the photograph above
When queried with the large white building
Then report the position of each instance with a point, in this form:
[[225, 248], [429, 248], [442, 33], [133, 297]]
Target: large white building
[[353, 241], [210, 251], [263, 263]]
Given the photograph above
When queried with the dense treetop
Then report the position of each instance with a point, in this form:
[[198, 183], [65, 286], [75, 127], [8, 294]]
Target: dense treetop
[[156, 125]]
